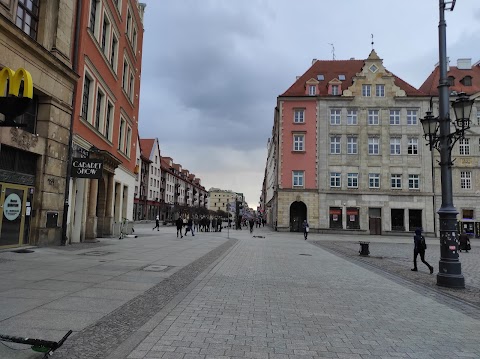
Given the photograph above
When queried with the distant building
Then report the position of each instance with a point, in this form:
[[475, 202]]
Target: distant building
[[219, 198]]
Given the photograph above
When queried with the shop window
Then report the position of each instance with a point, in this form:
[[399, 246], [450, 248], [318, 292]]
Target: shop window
[[414, 219], [467, 213], [353, 218], [336, 218], [398, 219]]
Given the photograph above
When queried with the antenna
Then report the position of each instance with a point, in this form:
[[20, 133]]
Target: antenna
[[333, 50], [373, 43]]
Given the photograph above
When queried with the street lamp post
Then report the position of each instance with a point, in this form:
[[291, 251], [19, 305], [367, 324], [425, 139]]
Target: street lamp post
[[437, 132]]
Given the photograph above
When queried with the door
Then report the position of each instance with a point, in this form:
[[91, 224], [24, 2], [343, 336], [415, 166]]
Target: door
[[12, 220], [298, 213], [375, 220]]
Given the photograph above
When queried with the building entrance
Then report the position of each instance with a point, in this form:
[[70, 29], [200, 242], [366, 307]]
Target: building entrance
[[16, 207], [298, 213]]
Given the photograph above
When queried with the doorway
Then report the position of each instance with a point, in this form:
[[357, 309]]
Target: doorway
[[15, 203], [298, 213], [375, 221]]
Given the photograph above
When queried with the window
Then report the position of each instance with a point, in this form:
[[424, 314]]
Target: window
[[341, 77], [451, 81], [373, 146], [105, 30], [335, 145], [113, 53], [413, 146], [464, 146], [128, 141], [411, 117], [366, 90], [466, 81], [299, 115], [298, 178], [413, 182], [134, 44], [352, 180], [373, 118], [394, 117], [130, 87], [396, 181], [108, 121], [98, 110], [380, 90], [395, 146], [298, 142], [335, 116], [312, 90], [335, 180], [93, 15], [125, 76], [27, 17], [352, 145], [121, 136], [466, 179], [335, 90], [352, 117], [87, 85], [374, 180], [478, 116], [129, 23]]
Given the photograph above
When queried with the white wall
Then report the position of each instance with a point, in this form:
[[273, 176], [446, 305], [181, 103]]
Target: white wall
[[126, 179]]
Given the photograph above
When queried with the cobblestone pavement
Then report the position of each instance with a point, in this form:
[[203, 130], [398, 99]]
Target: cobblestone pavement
[[282, 297]]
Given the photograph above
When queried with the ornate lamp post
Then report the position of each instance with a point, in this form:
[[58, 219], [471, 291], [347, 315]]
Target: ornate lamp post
[[437, 133]]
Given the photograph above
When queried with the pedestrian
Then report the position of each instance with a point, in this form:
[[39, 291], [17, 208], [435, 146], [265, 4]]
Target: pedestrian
[[214, 224], [251, 223], [189, 227], [464, 243], [420, 247], [157, 223], [179, 224], [306, 228]]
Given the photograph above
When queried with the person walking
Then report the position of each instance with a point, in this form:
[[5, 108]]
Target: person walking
[[179, 224], [157, 223], [306, 228], [420, 247], [189, 227], [464, 243]]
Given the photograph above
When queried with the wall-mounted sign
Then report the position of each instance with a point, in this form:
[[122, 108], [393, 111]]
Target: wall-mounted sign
[[87, 168], [12, 207], [18, 97]]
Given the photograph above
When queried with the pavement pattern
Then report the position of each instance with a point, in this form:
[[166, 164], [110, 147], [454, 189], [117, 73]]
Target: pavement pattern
[[285, 298]]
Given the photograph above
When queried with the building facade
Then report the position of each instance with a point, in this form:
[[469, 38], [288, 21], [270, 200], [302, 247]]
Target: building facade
[[106, 109], [348, 152], [37, 37], [219, 198]]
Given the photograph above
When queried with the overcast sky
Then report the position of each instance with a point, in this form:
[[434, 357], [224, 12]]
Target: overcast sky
[[212, 69]]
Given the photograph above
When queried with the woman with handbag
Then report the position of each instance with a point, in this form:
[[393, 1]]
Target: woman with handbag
[[306, 228]]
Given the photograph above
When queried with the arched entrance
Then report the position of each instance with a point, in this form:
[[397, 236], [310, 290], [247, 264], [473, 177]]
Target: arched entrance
[[298, 212]]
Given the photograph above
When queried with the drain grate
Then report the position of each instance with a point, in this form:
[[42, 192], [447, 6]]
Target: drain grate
[[305, 254], [157, 268], [23, 251], [96, 253]]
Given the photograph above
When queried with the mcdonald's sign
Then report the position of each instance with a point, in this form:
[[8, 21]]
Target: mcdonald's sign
[[16, 93]]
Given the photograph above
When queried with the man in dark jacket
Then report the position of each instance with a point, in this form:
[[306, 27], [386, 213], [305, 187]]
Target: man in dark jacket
[[464, 243], [189, 227], [179, 223], [419, 248]]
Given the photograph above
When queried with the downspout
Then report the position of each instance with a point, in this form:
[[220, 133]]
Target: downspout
[[72, 117]]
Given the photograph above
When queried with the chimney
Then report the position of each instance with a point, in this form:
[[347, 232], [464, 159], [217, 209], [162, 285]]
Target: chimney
[[297, 77], [313, 61], [352, 58], [464, 64]]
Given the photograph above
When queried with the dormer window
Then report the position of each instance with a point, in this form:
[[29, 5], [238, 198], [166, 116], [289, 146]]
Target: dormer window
[[451, 81], [312, 90], [320, 77], [335, 90], [466, 81], [341, 77]]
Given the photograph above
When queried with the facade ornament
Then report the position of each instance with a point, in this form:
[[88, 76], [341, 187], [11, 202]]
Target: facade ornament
[[23, 139]]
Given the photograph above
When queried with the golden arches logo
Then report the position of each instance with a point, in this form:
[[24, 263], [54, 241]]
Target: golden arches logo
[[14, 81]]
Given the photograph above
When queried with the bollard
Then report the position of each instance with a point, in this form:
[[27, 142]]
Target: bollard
[[364, 251]]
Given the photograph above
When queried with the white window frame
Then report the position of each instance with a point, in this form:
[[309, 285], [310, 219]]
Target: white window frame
[[98, 11], [114, 48], [374, 180], [108, 36], [101, 120], [366, 90], [298, 142], [413, 181], [107, 131], [380, 90], [335, 90], [128, 141], [373, 117], [412, 146], [352, 145], [91, 95], [298, 177], [394, 117], [312, 90], [412, 117], [396, 181], [335, 145], [352, 117], [395, 146], [465, 179], [352, 180], [299, 115], [121, 135], [335, 180], [464, 146], [373, 145], [335, 116]]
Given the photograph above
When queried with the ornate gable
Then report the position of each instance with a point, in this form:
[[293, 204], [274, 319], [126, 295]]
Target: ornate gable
[[374, 73]]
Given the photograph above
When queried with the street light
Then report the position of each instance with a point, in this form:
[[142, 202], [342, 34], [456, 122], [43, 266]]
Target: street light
[[437, 133]]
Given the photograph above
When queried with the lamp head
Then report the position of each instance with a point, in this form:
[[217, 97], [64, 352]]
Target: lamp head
[[429, 124], [462, 107]]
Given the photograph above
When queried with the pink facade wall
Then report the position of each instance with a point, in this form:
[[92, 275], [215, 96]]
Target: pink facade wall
[[299, 161]]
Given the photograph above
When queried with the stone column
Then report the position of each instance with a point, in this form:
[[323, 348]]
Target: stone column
[[91, 225], [109, 220]]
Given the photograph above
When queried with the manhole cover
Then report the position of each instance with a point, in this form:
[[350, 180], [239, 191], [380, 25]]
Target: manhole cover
[[304, 254], [96, 253], [23, 251], [157, 268]]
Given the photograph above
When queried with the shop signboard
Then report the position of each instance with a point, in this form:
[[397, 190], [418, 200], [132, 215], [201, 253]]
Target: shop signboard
[[87, 168]]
